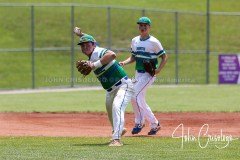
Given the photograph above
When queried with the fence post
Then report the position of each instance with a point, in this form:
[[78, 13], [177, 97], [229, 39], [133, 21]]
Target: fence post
[[207, 41], [109, 27], [33, 46], [176, 48], [72, 47], [143, 12]]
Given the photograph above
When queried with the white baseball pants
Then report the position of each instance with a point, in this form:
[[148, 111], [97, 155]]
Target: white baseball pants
[[140, 107], [116, 103]]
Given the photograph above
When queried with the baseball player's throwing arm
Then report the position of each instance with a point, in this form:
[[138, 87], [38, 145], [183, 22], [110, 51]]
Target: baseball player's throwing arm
[[78, 31]]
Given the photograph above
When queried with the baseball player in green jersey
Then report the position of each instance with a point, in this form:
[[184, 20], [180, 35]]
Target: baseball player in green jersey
[[119, 88], [145, 48]]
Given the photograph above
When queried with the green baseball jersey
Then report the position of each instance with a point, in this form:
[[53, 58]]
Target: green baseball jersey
[[109, 74], [148, 49]]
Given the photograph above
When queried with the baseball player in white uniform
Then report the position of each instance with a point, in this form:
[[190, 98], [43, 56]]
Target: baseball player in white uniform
[[119, 88], [145, 47]]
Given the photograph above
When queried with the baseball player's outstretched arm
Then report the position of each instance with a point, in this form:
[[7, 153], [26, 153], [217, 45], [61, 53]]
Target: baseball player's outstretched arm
[[162, 64], [78, 31], [127, 61], [107, 58]]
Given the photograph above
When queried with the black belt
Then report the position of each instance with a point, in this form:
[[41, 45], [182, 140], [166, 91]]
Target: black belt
[[141, 71], [117, 84]]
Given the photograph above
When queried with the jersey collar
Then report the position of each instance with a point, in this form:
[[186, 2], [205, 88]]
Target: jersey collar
[[144, 39]]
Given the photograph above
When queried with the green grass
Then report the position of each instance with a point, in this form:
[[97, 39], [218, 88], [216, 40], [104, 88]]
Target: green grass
[[53, 29], [199, 5], [160, 98], [52, 20], [140, 148], [54, 69]]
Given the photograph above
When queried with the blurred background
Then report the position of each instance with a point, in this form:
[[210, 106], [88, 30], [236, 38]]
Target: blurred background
[[38, 48]]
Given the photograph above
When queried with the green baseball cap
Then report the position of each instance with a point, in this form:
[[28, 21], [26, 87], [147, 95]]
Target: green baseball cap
[[144, 20], [86, 38]]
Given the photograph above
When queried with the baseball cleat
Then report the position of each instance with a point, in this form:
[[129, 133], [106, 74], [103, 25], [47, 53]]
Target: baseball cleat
[[115, 143], [124, 131], [138, 128], [154, 131]]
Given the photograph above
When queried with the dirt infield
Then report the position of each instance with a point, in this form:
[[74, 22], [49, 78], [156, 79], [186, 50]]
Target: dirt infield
[[97, 125]]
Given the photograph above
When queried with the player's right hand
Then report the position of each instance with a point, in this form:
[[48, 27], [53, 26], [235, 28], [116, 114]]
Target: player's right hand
[[122, 64], [77, 31]]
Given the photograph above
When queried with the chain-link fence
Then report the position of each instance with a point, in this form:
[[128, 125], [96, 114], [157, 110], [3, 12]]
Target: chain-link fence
[[38, 48]]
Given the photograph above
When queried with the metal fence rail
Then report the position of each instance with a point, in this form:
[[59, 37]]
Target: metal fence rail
[[175, 50]]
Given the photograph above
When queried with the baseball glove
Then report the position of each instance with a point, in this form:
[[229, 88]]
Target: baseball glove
[[83, 67], [149, 67]]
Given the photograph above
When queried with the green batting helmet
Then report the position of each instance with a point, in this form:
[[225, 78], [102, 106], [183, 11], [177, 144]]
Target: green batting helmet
[[144, 20], [86, 38]]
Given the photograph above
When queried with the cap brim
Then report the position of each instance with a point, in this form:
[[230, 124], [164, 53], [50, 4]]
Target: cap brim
[[143, 23], [79, 43]]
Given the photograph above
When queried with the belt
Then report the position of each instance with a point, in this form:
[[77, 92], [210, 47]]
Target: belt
[[141, 71], [117, 84]]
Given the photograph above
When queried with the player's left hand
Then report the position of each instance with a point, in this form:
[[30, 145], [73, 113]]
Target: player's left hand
[[149, 67], [84, 67], [157, 71]]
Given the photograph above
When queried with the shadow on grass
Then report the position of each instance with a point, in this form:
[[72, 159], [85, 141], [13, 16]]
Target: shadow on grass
[[134, 136], [94, 144], [91, 144]]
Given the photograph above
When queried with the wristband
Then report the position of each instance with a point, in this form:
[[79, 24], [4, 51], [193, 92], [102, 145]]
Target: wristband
[[97, 64]]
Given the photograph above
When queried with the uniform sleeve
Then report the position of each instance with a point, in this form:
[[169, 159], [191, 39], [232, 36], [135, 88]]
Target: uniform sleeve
[[132, 49], [159, 49], [102, 53]]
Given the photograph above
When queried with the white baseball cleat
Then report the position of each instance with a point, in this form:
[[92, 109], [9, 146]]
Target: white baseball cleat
[[115, 143], [124, 131]]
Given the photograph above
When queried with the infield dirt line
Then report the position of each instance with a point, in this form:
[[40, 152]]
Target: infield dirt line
[[97, 124]]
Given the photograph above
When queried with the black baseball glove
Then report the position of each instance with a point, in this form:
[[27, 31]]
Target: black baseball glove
[[149, 67]]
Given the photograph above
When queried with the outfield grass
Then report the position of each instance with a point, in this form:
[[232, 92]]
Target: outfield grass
[[160, 98], [140, 148], [53, 29], [16, 32], [53, 69], [198, 5]]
